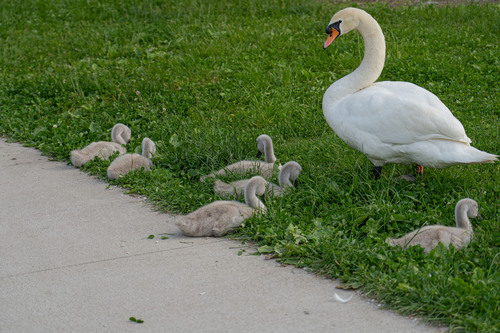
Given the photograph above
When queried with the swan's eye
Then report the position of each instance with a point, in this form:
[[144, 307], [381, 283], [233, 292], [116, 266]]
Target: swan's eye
[[334, 25]]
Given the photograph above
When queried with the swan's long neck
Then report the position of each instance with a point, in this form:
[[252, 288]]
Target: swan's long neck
[[284, 178], [370, 68], [148, 148], [462, 217], [117, 137], [251, 198], [119, 134], [269, 152], [254, 202]]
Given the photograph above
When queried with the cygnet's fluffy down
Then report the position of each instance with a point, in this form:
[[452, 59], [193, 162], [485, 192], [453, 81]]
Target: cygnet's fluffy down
[[287, 178], [262, 168], [430, 236], [120, 135], [123, 164], [220, 217]]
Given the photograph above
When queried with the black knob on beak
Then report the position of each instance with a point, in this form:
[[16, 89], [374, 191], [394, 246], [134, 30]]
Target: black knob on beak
[[334, 25]]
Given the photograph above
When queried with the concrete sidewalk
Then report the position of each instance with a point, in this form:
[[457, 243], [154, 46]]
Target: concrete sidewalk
[[75, 257]]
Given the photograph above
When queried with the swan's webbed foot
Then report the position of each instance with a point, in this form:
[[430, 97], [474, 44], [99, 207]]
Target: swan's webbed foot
[[377, 171], [410, 178]]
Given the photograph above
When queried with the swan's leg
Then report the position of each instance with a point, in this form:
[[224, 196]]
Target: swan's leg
[[377, 171], [420, 170]]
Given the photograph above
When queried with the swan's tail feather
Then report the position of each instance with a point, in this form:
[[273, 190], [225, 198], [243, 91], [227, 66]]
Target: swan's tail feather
[[476, 156], [203, 178], [390, 241], [451, 153], [396, 241], [191, 228], [184, 226], [78, 158]]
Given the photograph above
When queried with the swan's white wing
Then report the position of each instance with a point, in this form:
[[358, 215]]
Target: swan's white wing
[[396, 113]]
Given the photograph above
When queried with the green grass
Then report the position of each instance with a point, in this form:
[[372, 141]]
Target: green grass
[[204, 78]]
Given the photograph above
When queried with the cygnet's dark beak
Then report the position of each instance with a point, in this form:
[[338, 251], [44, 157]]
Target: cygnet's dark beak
[[295, 183], [259, 153]]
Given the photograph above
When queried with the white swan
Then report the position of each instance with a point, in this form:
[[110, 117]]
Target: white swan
[[263, 168], [123, 164], [428, 237], [391, 122], [287, 178], [120, 135], [220, 217]]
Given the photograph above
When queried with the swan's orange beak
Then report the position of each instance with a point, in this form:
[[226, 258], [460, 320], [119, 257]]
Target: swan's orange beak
[[334, 34]]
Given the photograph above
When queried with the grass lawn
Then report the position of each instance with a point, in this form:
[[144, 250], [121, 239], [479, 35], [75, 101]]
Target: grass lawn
[[204, 78]]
